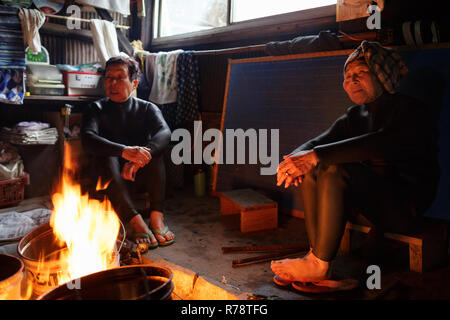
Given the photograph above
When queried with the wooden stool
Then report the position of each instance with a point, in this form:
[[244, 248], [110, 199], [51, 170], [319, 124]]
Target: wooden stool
[[427, 248], [257, 211]]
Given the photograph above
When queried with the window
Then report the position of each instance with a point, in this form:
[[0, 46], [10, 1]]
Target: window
[[251, 9], [181, 16], [175, 17]]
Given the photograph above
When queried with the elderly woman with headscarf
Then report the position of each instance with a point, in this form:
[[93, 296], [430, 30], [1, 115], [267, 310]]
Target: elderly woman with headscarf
[[379, 159]]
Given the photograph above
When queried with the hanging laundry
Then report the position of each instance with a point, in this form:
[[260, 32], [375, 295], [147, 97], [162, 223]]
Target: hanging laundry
[[104, 35], [188, 77], [164, 86], [31, 20], [144, 87], [149, 68]]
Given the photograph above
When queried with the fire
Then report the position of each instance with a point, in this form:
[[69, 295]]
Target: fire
[[86, 228]]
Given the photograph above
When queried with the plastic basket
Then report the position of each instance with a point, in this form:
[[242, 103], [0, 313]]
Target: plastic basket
[[12, 190]]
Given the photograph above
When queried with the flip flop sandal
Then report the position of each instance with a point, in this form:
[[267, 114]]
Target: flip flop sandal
[[163, 234], [324, 286], [147, 235], [279, 281]]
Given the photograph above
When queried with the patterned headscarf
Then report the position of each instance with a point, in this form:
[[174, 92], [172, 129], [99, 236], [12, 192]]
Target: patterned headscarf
[[384, 62]]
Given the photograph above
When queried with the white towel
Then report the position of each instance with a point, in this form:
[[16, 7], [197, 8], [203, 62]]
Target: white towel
[[105, 39], [164, 86], [31, 20]]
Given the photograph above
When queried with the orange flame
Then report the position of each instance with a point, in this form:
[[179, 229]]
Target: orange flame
[[86, 228]]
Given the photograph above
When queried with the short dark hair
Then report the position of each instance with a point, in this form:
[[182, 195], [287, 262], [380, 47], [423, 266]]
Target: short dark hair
[[131, 63]]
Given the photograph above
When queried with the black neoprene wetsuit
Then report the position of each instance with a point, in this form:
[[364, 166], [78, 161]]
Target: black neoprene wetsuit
[[107, 128], [379, 159]]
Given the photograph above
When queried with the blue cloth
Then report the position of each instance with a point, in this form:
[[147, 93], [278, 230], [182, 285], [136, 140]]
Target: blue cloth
[[11, 86]]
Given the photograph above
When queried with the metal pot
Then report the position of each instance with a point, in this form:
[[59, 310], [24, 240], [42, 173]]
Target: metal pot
[[11, 275], [42, 243], [140, 282]]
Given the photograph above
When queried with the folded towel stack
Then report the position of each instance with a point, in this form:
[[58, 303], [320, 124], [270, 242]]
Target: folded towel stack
[[25, 133]]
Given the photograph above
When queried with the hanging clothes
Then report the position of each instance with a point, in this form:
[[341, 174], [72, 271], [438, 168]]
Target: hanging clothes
[[188, 77], [164, 86], [31, 20], [143, 89], [184, 78], [104, 35], [149, 68]]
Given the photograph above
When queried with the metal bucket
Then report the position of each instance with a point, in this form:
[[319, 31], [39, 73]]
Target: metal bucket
[[11, 275], [141, 282], [41, 242]]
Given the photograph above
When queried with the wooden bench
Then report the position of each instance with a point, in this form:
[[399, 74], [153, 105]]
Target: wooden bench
[[427, 248], [257, 211]]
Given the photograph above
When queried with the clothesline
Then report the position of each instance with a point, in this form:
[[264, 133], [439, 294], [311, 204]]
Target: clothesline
[[81, 19], [260, 47], [218, 51]]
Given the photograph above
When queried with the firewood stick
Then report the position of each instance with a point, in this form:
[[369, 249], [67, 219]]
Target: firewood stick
[[265, 248], [242, 262]]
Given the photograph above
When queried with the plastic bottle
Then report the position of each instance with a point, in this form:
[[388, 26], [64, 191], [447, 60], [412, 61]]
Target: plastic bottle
[[199, 183]]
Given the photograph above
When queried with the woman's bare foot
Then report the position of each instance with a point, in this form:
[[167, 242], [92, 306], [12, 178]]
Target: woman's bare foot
[[157, 223], [139, 226], [306, 269]]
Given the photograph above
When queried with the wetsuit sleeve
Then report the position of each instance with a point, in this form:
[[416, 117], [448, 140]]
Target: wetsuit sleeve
[[91, 140], [159, 133], [402, 137], [335, 132]]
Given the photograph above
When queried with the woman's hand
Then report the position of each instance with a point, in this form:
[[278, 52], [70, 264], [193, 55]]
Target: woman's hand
[[138, 155], [129, 171], [295, 165]]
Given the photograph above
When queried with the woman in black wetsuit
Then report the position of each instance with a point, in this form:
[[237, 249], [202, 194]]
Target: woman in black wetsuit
[[125, 137], [378, 159]]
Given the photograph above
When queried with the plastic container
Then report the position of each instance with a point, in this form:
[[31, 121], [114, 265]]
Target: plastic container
[[46, 89], [83, 83]]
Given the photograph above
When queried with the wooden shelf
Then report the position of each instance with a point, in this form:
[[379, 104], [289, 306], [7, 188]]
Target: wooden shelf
[[60, 98]]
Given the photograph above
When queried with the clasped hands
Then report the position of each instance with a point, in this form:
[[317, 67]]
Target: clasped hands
[[137, 157], [295, 166]]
